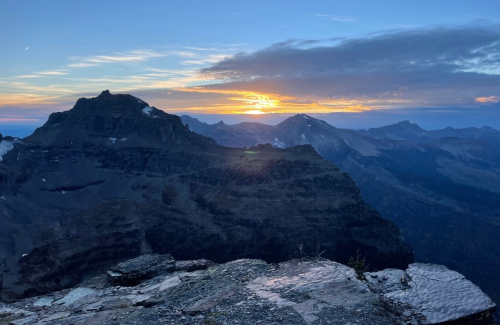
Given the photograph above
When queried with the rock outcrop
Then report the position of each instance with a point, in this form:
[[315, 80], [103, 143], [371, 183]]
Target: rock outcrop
[[114, 178], [135, 271], [305, 291]]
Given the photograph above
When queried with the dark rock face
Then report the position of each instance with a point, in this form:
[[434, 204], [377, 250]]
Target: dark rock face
[[300, 291], [135, 271], [114, 178]]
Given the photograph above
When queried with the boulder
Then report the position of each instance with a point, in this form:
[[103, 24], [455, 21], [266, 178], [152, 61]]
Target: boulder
[[430, 293], [135, 271]]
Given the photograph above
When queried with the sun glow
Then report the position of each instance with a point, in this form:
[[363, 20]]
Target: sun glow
[[254, 112], [256, 103]]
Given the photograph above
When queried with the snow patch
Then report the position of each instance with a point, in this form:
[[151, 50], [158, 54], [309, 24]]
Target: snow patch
[[124, 139], [2, 197], [303, 136], [279, 144], [5, 146], [322, 136], [43, 179], [113, 140], [147, 110]]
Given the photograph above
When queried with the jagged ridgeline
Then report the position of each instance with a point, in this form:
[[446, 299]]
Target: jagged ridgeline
[[114, 178]]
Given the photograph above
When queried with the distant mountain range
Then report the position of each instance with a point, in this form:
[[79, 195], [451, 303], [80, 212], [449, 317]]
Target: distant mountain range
[[441, 187], [114, 178]]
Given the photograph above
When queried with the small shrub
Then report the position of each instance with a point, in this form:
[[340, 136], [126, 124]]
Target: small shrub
[[358, 263]]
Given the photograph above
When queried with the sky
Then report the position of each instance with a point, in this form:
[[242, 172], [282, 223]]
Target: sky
[[353, 63]]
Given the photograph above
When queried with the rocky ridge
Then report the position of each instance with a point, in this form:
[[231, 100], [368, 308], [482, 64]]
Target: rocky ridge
[[304, 291]]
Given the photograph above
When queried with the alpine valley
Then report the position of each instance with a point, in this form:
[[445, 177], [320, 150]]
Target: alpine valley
[[441, 187]]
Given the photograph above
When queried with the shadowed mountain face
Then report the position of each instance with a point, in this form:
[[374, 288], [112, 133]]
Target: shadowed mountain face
[[442, 187], [114, 178]]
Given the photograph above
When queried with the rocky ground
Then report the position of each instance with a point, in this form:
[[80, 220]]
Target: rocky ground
[[305, 291]]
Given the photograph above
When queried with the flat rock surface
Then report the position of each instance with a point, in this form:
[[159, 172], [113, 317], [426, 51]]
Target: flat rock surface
[[432, 293], [305, 291]]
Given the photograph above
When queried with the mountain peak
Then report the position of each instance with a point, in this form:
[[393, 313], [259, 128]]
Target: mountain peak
[[104, 93], [406, 122], [409, 124], [118, 120]]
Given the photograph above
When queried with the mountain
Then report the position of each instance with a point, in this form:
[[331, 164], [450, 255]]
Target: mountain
[[442, 188], [410, 131], [404, 130], [114, 178]]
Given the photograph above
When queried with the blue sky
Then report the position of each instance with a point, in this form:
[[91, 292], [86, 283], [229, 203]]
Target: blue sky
[[53, 52]]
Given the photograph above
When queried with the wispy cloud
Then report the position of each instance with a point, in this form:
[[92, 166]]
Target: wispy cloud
[[82, 65], [28, 76], [490, 99], [127, 57], [205, 59], [54, 73], [335, 18]]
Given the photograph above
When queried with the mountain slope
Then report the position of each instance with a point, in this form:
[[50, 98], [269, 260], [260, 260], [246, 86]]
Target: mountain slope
[[443, 192], [114, 178]]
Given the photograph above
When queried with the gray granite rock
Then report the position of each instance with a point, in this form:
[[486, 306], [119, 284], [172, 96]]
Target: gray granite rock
[[432, 293], [252, 292], [144, 267]]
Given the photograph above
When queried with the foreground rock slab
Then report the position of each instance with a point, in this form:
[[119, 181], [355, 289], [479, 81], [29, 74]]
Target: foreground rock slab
[[430, 292], [306, 291]]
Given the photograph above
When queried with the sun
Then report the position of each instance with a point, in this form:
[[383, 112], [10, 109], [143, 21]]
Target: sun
[[254, 112]]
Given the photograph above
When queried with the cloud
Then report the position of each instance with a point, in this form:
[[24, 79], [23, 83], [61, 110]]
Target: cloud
[[205, 59], [28, 76], [27, 48], [82, 65], [336, 18], [490, 99], [127, 57], [426, 67], [54, 73]]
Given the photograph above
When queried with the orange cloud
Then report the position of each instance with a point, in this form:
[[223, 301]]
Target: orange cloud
[[491, 99], [11, 119], [25, 100], [264, 103]]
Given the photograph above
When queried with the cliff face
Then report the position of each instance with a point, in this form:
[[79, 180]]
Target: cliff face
[[155, 289], [114, 178]]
